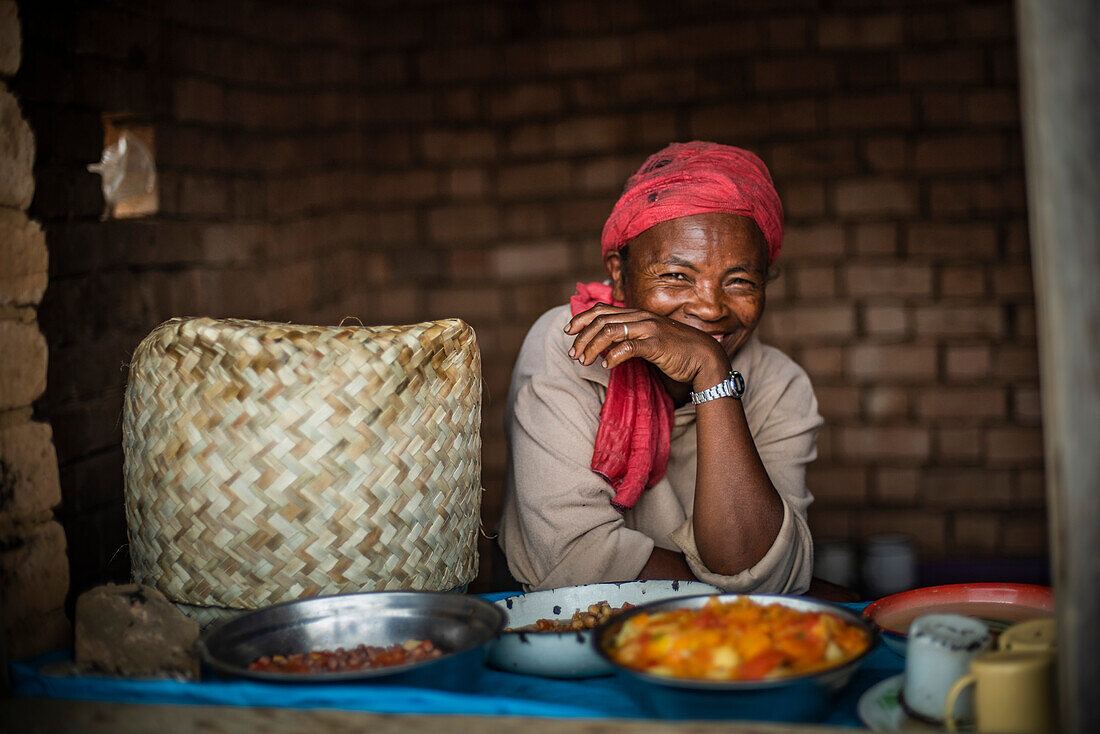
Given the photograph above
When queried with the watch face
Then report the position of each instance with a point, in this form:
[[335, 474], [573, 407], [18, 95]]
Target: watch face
[[737, 382]]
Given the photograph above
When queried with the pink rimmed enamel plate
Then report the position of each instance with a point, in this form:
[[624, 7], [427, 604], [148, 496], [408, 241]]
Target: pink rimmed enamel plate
[[998, 605]]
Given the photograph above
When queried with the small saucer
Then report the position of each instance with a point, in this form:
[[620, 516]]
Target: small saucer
[[880, 709]]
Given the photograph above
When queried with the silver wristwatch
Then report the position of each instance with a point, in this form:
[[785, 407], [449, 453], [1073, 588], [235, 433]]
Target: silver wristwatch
[[731, 387]]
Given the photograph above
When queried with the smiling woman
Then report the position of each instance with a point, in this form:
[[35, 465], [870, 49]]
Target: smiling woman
[[652, 435]]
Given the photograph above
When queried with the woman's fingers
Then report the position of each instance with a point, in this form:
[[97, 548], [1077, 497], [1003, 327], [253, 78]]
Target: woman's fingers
[[581, 320], [603, 331], [611, 335], [620, 353], [619, 337]]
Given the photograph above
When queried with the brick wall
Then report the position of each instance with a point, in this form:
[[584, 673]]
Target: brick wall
[[34, 574], [405, 161]]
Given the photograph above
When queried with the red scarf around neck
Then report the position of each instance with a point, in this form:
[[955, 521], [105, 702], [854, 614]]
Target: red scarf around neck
[[634, 439]]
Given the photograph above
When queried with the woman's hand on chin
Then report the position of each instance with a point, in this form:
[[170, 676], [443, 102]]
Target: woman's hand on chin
[[686, 355]]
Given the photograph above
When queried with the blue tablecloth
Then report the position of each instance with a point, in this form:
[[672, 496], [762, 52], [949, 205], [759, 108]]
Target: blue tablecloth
[[497, 693]]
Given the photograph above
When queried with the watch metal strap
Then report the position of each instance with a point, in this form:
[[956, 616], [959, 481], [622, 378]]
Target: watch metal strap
[[731, 387]]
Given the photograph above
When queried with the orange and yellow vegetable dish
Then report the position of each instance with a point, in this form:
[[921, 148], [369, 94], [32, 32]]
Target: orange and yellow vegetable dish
[[736, 640]]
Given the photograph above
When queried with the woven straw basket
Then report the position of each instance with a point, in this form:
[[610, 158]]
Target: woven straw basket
[[271, 462]]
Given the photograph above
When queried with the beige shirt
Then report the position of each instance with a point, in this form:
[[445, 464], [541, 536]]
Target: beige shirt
[[558, 527]]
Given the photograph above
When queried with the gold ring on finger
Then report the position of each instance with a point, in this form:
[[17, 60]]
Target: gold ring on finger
[[626, 331]]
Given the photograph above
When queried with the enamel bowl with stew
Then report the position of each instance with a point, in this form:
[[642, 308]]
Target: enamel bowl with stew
[[798, 697]]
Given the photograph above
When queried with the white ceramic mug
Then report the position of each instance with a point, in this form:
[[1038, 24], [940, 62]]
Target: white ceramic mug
[[939, 652]]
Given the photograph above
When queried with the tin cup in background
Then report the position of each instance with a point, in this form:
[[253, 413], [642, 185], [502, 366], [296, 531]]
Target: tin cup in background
[[940, 649], [835, 561], [889, 564]]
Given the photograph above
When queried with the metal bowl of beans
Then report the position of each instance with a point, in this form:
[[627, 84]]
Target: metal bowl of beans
[[566, 650], [344, 629]]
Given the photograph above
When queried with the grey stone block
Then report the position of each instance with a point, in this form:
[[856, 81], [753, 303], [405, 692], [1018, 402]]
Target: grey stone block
[[133, 631]]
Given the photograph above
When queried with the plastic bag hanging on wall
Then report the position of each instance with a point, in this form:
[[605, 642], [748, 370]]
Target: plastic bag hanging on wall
[[128, 170]]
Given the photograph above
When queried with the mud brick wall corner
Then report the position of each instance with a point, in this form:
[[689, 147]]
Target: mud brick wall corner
[[34, 572]]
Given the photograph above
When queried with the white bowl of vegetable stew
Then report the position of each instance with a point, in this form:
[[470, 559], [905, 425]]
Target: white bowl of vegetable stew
[[568, 653]]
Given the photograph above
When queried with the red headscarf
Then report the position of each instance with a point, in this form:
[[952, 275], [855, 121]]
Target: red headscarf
[[633, 441]]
